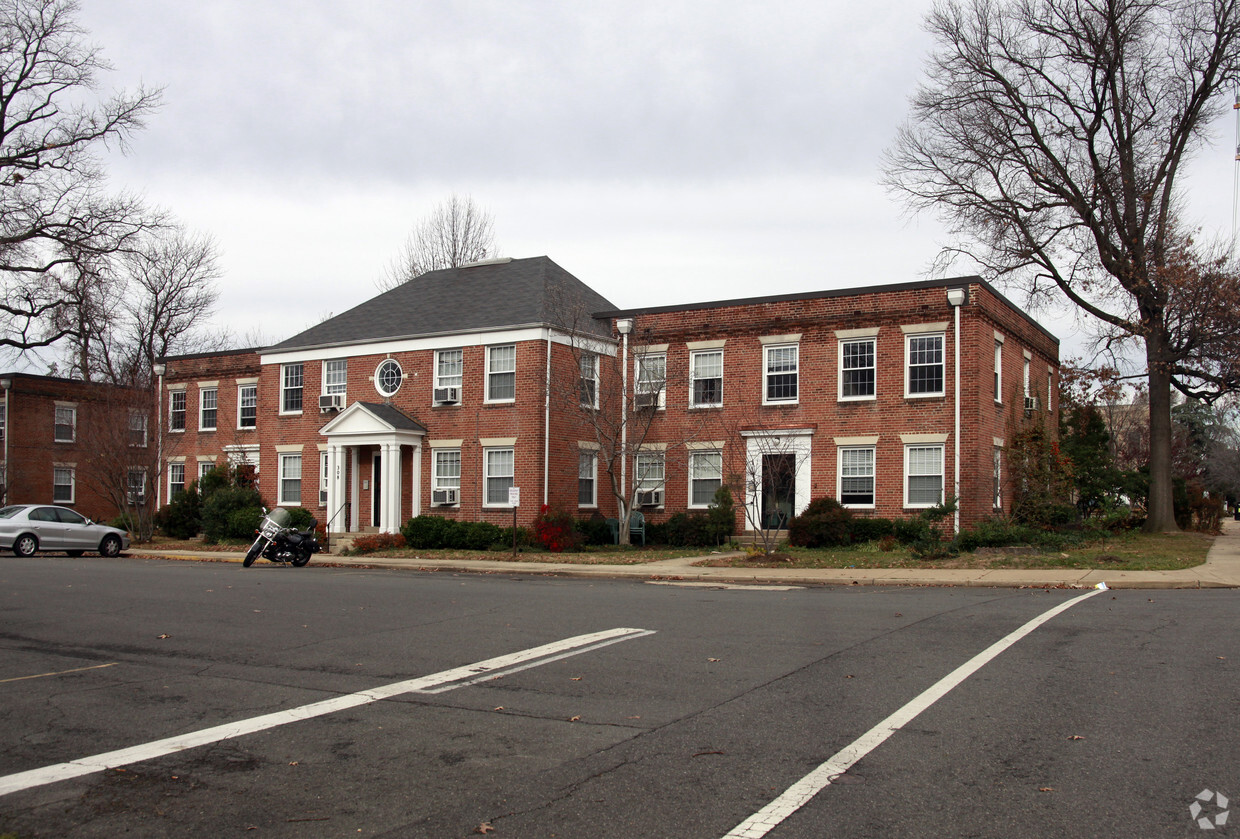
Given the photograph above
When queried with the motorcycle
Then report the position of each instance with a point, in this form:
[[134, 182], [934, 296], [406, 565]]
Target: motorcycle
[[279, 542]]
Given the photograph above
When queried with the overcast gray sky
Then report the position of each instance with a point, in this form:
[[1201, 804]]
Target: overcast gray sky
[[663, 152]]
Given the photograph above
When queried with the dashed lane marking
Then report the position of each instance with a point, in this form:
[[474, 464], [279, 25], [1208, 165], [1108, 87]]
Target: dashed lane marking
[[447, 680]]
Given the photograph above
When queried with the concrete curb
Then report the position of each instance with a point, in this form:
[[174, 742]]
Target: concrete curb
[[1220, 570]]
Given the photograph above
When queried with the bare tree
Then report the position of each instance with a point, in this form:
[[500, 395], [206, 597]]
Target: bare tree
[[123, 464], [56, 221], [1050, 134], [144, 304], [456, 232]]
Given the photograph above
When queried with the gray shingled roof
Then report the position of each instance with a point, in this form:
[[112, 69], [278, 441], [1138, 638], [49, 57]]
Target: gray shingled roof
[[517, 292], [394, 417]]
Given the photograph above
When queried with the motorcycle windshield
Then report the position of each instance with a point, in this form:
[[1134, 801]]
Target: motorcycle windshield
[[280, 516]]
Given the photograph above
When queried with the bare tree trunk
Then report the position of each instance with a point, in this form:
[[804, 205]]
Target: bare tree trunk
[[1160, 513]]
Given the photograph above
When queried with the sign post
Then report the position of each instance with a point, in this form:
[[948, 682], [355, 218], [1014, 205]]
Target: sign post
[[514, 501]]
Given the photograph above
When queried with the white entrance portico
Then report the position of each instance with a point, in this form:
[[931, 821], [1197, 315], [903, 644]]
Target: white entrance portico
[[383, 432]]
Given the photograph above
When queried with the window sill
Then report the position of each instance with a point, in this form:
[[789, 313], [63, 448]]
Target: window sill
[[939, 395], [870, 398], [247, 428], [290, 413], [783, 403], [498, 401], [714, 407], [859, 506]]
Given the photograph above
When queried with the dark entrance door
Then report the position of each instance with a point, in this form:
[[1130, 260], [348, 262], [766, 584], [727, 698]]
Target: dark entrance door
[[779, 484], [376, 494]]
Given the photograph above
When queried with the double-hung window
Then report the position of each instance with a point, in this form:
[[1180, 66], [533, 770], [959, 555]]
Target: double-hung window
[[336, 377], [706, 379], [208, 399], [648, 469], [651, 378], [4, 416], [923, 470], [998, 367], [176, 410], [247, 406], [588, 380], [502, 375], [290, 479], [449, 375], [137, 484], [137, 429], [498, 465], [176, 479], [780, 366], [857, 368], [587, 479], [292, 384], [65, 428], [705, 477], [204, 466], [448, 469], [924, 371], [856, 476], [998, 479], [62, 484]]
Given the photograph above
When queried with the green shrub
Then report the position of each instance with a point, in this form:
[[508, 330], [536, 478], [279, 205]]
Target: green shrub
[[594, 531], [428, 532], [525, 538], [909, 531], [824, 523], [218, 478], [722, 515], [231, 513], [299, 518], [477, 535], [861, 530], [181, 518]]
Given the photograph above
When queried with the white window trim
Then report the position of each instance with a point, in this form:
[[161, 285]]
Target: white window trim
[[240, 387], [435, 476], [460, 386], [1025, 373], [839, 474], [998, 373], [693, 354], [281, 459], [202, 408], [593, 455], [908, 364], [693, 456], [284, 387], [662, 385], [766, 373], [487, 451], [185, 479], [856, 339], [172, 392], [486, 396], [942, 447], [997, 478], [323, 383], [71, 468], [72, 408], [592, 360]]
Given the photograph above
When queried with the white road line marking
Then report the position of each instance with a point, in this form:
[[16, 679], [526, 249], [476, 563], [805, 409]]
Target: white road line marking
[[800, 793], [466, 675]]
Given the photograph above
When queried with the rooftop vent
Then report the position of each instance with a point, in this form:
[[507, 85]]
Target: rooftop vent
[[497, 261]]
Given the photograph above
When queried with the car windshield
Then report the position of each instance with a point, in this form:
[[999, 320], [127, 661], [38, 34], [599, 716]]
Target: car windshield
[[9, 512]]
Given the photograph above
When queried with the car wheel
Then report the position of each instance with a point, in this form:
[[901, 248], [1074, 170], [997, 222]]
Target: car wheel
[[110, 546], [75, 553], [26, 545]]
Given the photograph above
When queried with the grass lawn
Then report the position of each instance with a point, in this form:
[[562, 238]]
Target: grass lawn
[[1131, 551]]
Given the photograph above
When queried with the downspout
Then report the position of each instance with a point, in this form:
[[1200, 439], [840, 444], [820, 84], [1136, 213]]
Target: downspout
[[624, 326], [7, 384], [546, 423], [159, 370], [955, 297]]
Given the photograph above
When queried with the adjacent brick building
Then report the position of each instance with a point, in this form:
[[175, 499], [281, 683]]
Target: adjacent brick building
[[84, 445], [444, 393]]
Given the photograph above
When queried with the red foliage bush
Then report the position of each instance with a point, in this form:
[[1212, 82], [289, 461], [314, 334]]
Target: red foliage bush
[[377, 542], [554, 530]]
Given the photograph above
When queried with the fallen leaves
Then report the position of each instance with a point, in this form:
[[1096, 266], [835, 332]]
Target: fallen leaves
[[1046, 789], [1076, 737], [575, 718], [713, 659], [498, 708], [163, 637], [485, 827]]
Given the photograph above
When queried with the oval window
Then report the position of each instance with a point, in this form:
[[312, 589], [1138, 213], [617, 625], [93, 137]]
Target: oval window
[[388, 377]]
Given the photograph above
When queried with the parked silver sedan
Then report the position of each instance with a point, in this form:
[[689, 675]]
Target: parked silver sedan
[[27, 528]]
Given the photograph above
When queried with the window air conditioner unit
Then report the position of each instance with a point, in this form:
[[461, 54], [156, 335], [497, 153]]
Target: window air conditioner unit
[[646, 400], [447, 395], [653, 498], [331, 402], [1031, 403], [441, 497]]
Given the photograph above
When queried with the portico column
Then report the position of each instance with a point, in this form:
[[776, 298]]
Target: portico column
[[415, 482], [389, 521]]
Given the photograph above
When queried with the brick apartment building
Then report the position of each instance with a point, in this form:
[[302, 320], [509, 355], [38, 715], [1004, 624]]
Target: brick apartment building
[[83, 445], [441, 394]]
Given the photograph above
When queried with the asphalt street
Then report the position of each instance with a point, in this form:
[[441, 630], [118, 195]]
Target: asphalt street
[[546, 707]]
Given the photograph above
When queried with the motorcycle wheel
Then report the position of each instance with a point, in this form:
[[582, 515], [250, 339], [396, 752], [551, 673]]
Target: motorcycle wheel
[[301, 557], [251, 555]]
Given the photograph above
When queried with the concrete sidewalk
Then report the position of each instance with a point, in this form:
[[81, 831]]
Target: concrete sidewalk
[[1220, 570]]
